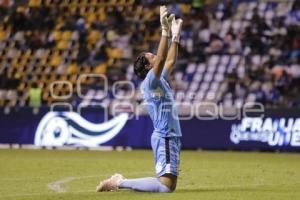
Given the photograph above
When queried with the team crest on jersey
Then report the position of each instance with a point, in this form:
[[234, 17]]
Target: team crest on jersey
[[158, 92], [70, 129]]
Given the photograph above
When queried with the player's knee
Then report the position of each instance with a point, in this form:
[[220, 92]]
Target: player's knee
[[173, 187], [169, 188], [170, 181]]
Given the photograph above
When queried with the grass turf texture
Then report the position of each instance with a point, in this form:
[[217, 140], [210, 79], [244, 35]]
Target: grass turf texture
[[28, 174]]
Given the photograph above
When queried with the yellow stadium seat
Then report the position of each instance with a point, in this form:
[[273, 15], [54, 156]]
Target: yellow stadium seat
[[102, 14], [112, 2], [110, 61], [100, 69], [57, 35], [94, 36], [73, 79], [63, 78], [55, 60], [23, 61], [114, 53], [43, 61], [27, 53], [63, 44], [34, 3], [130, 2], [82, 11], [91, 17], [46, 2], [3, 35], [53, 77], [14, 61], [74, 54], [21, 9], [66, 35], [72, 68], [186, 9]]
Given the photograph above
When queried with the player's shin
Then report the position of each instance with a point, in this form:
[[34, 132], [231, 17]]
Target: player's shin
[[148, 184]]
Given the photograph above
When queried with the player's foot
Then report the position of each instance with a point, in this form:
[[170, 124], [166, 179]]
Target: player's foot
[[111, 184]]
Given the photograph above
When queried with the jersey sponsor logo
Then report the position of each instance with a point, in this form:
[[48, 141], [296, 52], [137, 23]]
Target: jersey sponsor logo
[[274, 132], [70, 129]]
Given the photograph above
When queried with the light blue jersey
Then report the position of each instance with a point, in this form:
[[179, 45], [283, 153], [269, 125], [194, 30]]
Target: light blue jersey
[[161, 105]]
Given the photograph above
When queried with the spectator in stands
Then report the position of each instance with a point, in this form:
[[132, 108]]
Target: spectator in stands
[[99, 24], [295, 50], [282, 81], [99, 56], [4, 6], [34, 41], [227, 9], [197, 5], [35, 94], [232, 80], [81, 28], [83, 54], [49, 41], [231, 43], [18, 20], [295, 75], [45, 17], [294, 15], [215, 45], [12, 79], [35, 19], [3, 79]]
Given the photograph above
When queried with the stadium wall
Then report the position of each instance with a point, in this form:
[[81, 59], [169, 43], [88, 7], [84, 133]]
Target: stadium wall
[[278, 130]]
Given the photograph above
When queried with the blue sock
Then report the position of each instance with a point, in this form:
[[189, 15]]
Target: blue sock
[[144, 185]]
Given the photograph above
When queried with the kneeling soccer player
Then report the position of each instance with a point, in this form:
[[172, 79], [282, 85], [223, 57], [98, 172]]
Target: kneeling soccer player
[[165, 140]]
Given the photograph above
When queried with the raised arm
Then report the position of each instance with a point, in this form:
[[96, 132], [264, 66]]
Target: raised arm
[[163, 44], [173, 50], [171, 58]]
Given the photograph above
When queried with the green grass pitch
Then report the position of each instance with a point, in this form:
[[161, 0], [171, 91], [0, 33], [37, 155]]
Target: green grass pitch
[[46, 174]]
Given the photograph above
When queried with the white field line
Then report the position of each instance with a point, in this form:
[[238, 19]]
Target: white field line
[[57, 186]]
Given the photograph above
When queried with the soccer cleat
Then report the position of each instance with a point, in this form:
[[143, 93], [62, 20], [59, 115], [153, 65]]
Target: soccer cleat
[[111, 184]]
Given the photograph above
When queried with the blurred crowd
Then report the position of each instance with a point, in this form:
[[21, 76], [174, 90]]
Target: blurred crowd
[[268, 42]]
